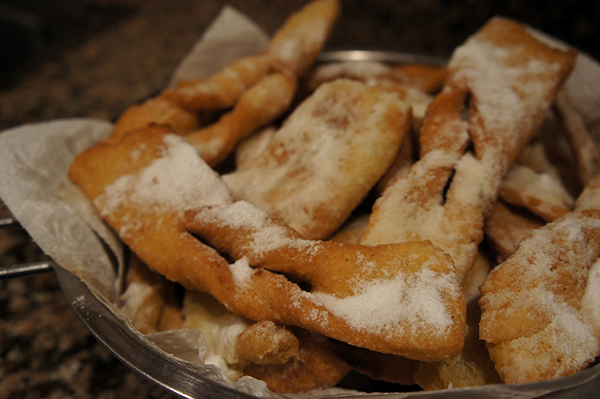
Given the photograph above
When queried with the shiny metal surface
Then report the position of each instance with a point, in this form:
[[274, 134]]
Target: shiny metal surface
[[25, 269], [175, 380], [380, 56]]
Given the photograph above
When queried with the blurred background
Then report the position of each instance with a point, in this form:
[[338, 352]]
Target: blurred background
[[93, 58]]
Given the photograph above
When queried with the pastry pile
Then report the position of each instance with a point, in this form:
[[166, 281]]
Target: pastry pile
[[337, 218]]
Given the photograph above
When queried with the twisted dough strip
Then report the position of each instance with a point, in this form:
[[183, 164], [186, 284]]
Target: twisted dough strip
[[164, 202], [293, 48], [540, 315], [506, 79], [258, 106], [224, 88], [258, 87]]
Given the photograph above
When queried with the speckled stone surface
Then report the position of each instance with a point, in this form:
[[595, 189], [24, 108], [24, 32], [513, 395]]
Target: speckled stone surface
[[121, 51]]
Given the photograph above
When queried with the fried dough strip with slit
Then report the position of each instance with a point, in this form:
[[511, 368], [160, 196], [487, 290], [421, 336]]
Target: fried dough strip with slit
[[257, 107], [165, 203], [326, 157], [504, 80], [540, 315]]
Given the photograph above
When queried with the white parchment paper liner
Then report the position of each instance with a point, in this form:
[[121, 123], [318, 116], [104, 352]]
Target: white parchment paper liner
[[35, 158]]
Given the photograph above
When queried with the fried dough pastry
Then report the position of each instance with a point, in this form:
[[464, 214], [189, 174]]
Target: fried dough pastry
[[224, 88], [293, 49], [149, 300], [500, 84], [326, 157], [265, 342], [302, 37], [541, 193], [472, 367], [584, 150], [428, 78], [537, 156], [166, 204], [259, 87], [540, 316], [155, 110], [373, 74], [289, 360], [506, 226], [257, 107], [315, 366]]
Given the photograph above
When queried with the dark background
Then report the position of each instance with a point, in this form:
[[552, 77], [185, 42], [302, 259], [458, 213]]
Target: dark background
[[93, 58], [67, 58]]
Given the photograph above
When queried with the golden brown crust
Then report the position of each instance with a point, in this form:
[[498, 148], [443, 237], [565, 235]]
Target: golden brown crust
[[507, 226], [155, 110], [163, 233], [540, 318], [500, 84], [428, 78], [298, 43], [315, 366], [258, 106], [583, 148], [266, 343], [542, 194], [223, 89], [326, 157]]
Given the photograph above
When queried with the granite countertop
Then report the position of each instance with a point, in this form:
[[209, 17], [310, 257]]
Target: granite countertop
[[94, 58]]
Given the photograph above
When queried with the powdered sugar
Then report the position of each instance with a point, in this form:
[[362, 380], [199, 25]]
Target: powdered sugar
[[502, 91], [179, 180], [412, 300], [241, 272]]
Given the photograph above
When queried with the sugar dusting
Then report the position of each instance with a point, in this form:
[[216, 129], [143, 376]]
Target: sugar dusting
[[179, 180], [559, 268], [412, 300], [503, 91]]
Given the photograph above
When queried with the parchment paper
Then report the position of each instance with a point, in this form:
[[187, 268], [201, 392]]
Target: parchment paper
[[35, 158]]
